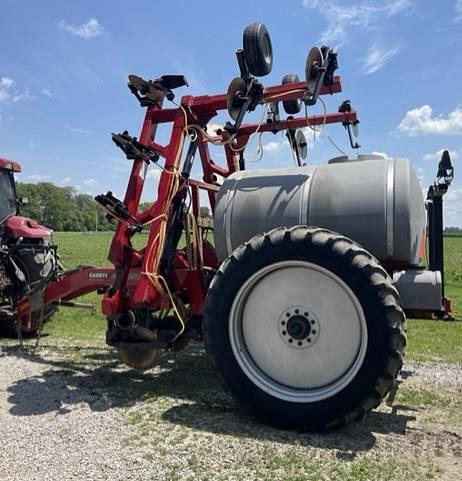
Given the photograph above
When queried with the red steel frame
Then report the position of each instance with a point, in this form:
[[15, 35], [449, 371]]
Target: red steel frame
[[183, 278], [129, 284], [69, 285]]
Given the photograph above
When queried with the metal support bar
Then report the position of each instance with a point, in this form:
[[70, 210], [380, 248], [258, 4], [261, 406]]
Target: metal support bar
[[435, 236]]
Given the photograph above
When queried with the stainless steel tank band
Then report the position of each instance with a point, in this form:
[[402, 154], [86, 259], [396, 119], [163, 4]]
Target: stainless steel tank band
[[227, 220], [390, 207], [306, 190]]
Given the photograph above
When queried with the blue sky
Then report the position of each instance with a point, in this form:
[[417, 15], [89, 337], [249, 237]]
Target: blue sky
[[64, 67]]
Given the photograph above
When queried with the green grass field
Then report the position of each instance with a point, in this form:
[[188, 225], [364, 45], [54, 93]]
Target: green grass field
[[428, 340]]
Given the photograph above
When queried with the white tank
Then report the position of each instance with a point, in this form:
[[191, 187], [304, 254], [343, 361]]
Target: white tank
[[375, 201]]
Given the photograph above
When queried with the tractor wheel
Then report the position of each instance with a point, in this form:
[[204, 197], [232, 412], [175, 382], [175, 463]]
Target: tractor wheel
[[36, 265], [258, 50], [291, 106], [305, 328]]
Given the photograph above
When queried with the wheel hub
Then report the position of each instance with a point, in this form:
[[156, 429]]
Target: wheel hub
[[320, 364], [298, 327]]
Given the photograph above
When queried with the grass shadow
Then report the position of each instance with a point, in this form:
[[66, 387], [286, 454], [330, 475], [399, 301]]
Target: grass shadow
[[94, 377]]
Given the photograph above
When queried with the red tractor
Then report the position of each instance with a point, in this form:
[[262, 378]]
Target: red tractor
[[32, 281], [300, 298], [28, 261]]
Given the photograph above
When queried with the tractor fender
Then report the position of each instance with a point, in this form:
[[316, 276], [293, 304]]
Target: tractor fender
[[18, 226]]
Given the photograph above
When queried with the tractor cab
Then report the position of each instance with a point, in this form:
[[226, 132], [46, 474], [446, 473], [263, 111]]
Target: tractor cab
[[12, 225], [8, 200]]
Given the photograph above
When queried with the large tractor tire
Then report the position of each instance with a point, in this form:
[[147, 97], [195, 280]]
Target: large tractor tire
[[305, 328], [36, 265]]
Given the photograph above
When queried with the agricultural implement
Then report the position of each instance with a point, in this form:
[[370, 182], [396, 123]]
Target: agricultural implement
[[297, 297]]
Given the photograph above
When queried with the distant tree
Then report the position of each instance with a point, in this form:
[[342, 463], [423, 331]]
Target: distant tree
[[205, 212], [143, 206], [453, 231], [62, 208]]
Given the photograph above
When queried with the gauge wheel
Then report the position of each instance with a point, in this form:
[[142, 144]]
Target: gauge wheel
[[291, 106], [258, 50]]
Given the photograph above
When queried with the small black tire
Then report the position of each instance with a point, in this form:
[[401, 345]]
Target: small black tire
[[348, 264], [258, 51], [291, 106]]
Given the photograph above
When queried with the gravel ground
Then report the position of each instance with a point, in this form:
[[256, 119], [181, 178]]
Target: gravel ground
[[54, 431], [433, 373], [73, 414]]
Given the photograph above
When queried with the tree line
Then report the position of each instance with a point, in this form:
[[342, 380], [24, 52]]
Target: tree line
[[64, 209]]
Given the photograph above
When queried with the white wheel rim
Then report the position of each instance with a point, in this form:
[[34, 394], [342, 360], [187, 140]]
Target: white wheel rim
[[306, 369]]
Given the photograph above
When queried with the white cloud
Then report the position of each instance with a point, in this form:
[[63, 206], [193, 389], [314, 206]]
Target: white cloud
[[384, 154], [46, 92], [39, 178], [8, 93], [65, 180], [87, 30], [22, 96], [437, 155], [77, 130], [454, 194], [453, 207], [420, 121], [363, 15], [90, 183], [212, 128], [6, 82], [376, 57], [273, 147], [458, 9], [153, 173], [6, 85]]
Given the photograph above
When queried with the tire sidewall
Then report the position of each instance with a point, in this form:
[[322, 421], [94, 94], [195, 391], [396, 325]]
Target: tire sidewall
[[223, 290]]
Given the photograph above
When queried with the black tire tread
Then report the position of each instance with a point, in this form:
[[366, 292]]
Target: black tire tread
[[291, 106], [356, 255], [254, 56]]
